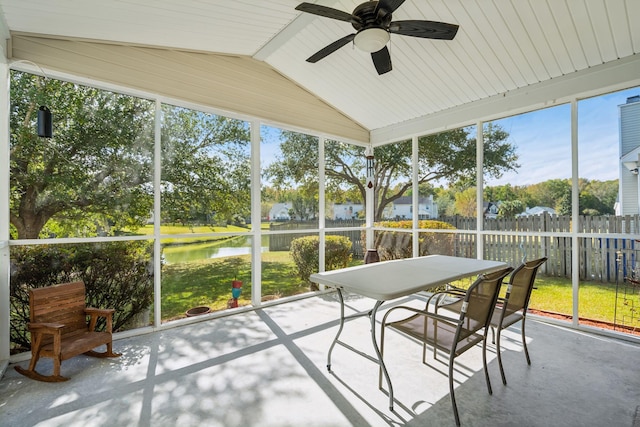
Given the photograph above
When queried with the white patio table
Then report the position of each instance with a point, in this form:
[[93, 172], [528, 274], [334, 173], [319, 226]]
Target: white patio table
[[388, 280]]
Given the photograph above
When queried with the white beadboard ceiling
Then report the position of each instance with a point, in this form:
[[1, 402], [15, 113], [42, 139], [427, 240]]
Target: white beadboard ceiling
[[508, 55]]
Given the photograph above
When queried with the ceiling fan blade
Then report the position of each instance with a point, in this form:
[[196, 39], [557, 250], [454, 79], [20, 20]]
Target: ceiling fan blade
[[389, 5], [424, 29], [329, 49], [327, 12], [382, 60]]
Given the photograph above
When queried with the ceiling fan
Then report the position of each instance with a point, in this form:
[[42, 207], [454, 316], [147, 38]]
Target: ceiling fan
[[373, 23]]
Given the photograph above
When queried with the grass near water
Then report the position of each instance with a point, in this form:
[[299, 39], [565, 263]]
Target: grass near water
[[208, 282]]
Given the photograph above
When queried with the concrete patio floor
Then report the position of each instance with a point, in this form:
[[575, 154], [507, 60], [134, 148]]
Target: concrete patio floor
[[268, 368]]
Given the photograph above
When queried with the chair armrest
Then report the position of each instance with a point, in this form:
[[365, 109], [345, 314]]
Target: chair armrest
[[100, 312], [440, 294], [45, 328], [38, 330], [457, 292], [450, 287], [420, 312], [442, 318], [103, 312], [501, 300]]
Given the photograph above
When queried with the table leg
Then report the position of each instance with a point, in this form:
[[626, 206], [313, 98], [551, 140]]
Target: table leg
[[378, 359], [335, 340], [377, 349]]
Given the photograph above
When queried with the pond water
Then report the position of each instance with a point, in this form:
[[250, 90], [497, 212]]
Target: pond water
[[234, 246]]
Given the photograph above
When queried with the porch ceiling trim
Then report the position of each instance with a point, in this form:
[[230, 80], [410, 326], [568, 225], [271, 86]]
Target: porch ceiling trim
[[235, 84], [616, 75]]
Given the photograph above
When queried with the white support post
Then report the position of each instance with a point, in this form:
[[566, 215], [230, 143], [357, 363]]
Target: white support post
[[321, 206], [157, 219], [575, 212], [415, 199], [479, 190], [5, 317], [256, 230]]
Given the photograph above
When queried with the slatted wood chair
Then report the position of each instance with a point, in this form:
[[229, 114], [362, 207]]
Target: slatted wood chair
[[59, 328]]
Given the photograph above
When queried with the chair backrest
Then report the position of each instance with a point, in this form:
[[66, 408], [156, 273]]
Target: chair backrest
[[479, 303], [520, 286], [63, 304]]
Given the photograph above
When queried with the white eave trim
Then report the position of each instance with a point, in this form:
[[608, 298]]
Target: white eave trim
[[621, 74]]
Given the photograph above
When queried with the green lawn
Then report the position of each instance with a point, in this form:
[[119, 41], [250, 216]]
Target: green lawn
[[147, 230], [595, 300], [208, 282]]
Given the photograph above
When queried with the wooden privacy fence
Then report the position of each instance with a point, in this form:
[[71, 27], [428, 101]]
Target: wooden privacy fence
[[601, 258], [282, 242]]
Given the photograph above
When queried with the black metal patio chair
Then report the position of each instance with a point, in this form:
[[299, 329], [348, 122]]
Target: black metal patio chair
[[453, 335]]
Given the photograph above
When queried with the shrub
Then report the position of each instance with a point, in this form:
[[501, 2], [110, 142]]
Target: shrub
[[306, 256], [397, 245], [117, 275]]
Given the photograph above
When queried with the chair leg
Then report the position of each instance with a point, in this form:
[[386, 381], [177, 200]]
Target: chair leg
[[524, 340], [484, 361], [451, 392], [35, 356], [499, 354], [35, 350], [56, 366], [381, 355], [435, 339]]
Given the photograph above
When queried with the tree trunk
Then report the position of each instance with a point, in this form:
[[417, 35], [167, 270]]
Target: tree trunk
[[30, 218], [28, 225]]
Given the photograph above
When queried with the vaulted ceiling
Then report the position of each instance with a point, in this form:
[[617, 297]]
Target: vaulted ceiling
[[248, 57]]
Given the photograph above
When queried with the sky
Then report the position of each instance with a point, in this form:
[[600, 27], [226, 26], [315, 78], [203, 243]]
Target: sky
[[543, 141]]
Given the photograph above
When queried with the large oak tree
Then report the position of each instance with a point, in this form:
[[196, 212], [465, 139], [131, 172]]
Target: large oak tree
[[96, 174], [448, 156], [97, 163]]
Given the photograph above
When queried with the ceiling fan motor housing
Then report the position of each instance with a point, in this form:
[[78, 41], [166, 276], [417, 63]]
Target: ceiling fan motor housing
[[368, 17]]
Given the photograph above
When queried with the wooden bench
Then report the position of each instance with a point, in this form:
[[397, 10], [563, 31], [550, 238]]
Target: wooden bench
[[59, 328]]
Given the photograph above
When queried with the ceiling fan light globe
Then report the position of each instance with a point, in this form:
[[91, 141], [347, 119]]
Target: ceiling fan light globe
[[371, 39]]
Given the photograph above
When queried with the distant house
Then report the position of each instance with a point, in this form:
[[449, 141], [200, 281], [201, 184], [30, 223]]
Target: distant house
[[490, 210], [347, 210], [402, 208], [538, 210], [629, 142], [280, 212]]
